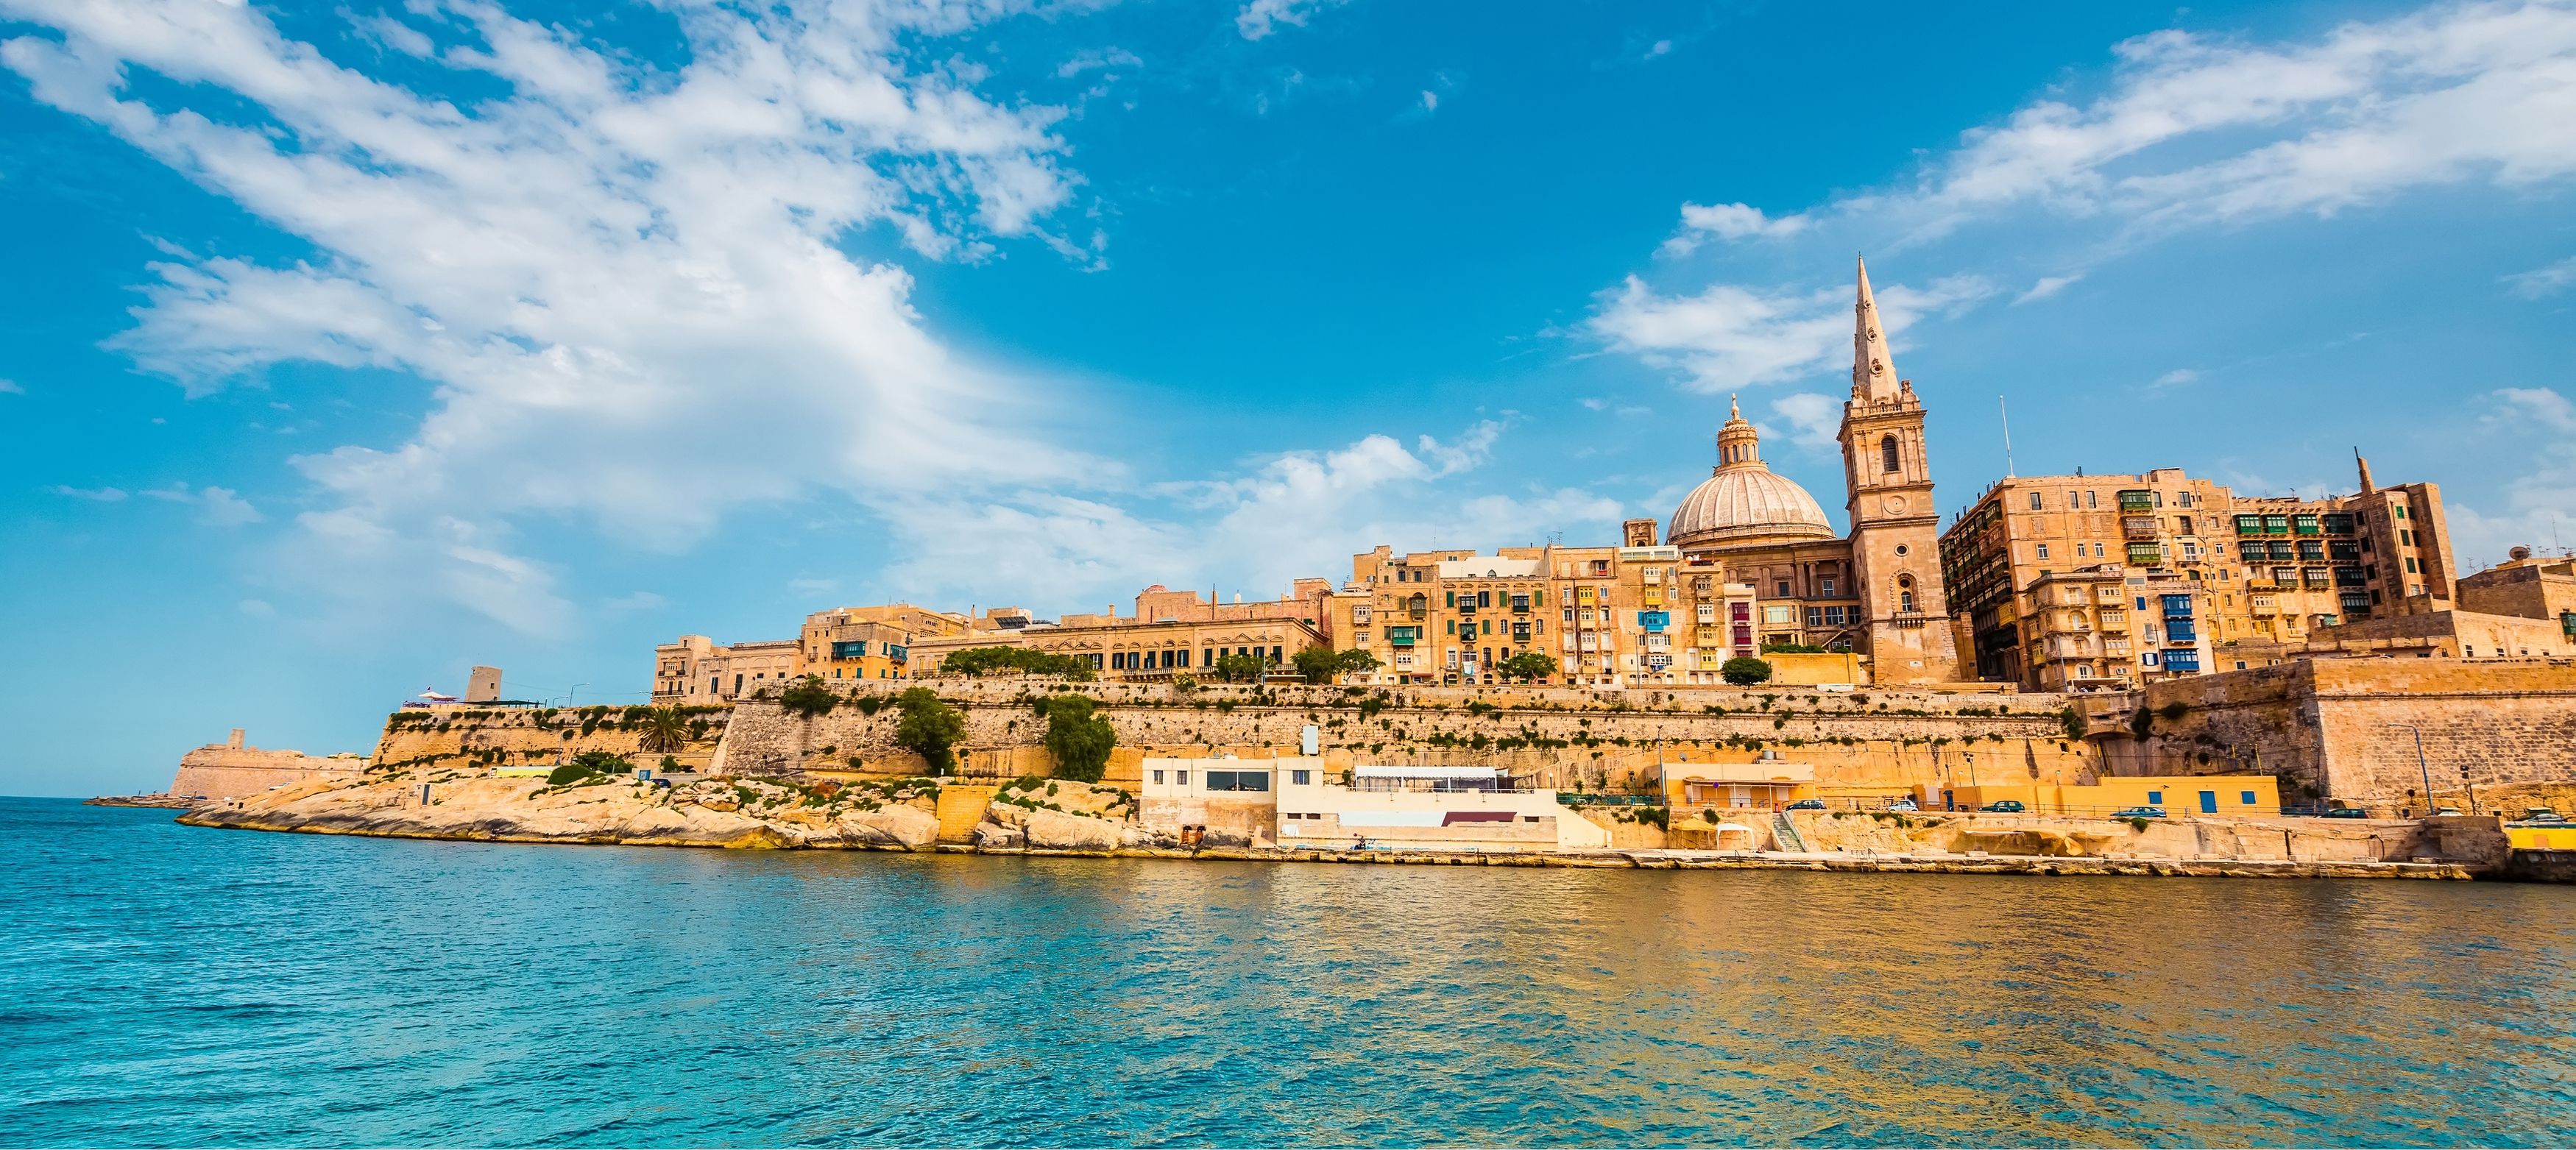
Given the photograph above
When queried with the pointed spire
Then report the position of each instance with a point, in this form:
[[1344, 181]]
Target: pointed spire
[[1733, 412], [1873, 370], [2366, 487]]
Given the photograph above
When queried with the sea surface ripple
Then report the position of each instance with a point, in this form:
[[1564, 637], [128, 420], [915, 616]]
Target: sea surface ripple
[[176, 985]]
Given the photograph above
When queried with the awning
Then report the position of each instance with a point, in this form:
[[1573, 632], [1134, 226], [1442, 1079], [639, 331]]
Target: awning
[[1722, 828]]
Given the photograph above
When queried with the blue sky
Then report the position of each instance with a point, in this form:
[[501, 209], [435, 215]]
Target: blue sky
[[348, 345]]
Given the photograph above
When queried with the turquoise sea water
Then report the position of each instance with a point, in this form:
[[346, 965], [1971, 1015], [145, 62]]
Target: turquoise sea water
[[173, 985]]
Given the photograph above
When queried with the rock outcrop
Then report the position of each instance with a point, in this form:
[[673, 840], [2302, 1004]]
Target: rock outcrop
[[614, 810]]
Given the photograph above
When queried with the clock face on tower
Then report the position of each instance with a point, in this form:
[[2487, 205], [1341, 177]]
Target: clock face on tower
[[1895, 504]]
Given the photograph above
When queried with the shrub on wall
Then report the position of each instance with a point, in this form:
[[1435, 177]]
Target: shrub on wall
[[929, 728], [1745, 670], [809, 697], [1079, 739]]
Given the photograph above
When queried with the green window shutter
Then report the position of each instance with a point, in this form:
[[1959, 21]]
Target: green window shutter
[[1452, 598]]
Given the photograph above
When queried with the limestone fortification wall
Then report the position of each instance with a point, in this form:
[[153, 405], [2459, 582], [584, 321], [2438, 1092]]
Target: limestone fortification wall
[[1869, 742], [231, 771], [2495, 734], [470, 737]]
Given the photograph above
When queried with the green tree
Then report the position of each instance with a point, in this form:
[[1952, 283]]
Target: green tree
[[809, 697], [1745, 670], [1240, 668], [1528, 666], [1318, 664], [663, 730], [929, 728], [1357, 662], [1079, 739]]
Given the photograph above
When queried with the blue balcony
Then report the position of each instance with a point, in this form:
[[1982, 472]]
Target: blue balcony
[[2183, 659]]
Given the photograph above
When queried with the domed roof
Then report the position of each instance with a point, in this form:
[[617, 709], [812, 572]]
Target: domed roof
[[1743, 502]]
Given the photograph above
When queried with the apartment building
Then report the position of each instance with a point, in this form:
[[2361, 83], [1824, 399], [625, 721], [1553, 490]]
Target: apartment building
[[2271, 571]]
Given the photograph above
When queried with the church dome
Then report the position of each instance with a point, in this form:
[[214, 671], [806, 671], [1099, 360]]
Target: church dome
[[1744, 503]]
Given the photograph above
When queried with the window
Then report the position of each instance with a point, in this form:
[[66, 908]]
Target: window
[[2088, 500], [2155, 798], [1829, 586], [1887, 453], [1815, 616], [2410, 565], [2043, 551], [1784, 588], [2034, 501], [1450, 598], [1158, 776], [1302, 778], [1238, 780], [1181, 778], [1484, 598], [2245, 797]]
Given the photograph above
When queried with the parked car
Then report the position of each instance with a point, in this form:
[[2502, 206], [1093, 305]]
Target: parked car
[[1806, 805], [1903, 805], [2346, 813], [2004, 807], [2542, 815], [2139, 813]]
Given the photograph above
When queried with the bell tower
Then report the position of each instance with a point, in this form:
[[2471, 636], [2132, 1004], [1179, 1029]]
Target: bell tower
[[1895, 533]]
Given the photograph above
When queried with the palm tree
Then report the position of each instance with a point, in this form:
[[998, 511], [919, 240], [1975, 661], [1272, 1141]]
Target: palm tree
[[664, 730]]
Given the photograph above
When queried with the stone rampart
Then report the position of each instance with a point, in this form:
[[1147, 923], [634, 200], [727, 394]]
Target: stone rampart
[[1869, 742], [470, 737], [231, 770], [2496, 735]]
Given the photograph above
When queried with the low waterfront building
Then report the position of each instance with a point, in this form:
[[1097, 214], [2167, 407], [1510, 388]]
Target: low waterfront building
[[1426, 808], [1220, 801], [1768, 783], [2526, 586], [2177, 795]]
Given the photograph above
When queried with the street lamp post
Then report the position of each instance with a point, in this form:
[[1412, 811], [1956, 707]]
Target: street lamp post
[[2420, 764], [574, 693]]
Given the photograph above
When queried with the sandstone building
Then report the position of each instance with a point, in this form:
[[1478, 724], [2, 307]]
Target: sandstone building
[[2267, 574]]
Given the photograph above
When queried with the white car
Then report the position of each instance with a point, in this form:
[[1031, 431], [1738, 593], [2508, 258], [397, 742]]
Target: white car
[[1903, 805]]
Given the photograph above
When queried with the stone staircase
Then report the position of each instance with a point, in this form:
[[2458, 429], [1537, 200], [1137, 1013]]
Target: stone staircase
[[1785, 833]]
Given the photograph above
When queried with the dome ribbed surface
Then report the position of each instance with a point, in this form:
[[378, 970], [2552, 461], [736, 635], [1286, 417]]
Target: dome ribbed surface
[[1747, 503]]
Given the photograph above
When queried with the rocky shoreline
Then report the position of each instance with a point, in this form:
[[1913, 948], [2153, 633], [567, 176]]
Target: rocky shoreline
[[158, 802], [1028, 819]]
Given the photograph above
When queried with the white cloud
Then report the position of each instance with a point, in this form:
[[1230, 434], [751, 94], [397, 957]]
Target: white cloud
[[814, 586], [2539, 504], [216, 506], [2046, 287], [10, 387], [2188, 130], [624, 282], [2193, 129], [1728, 337], [1262, 17], [1815, 419], [635, 601], [2176, 378], [1430, 100], [1702, 222], [93, 494], [257, 608], [1101, 59], [2545, 281], [1658, 48], [1295, 514]]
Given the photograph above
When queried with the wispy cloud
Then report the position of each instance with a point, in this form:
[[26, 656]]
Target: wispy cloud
[[2046, 287], [216, 506], [10, 387], [2544, 281], [1704, 222], [1263, 17], [601, 266], [93, 494], [1727, 337], [2176, 378]]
